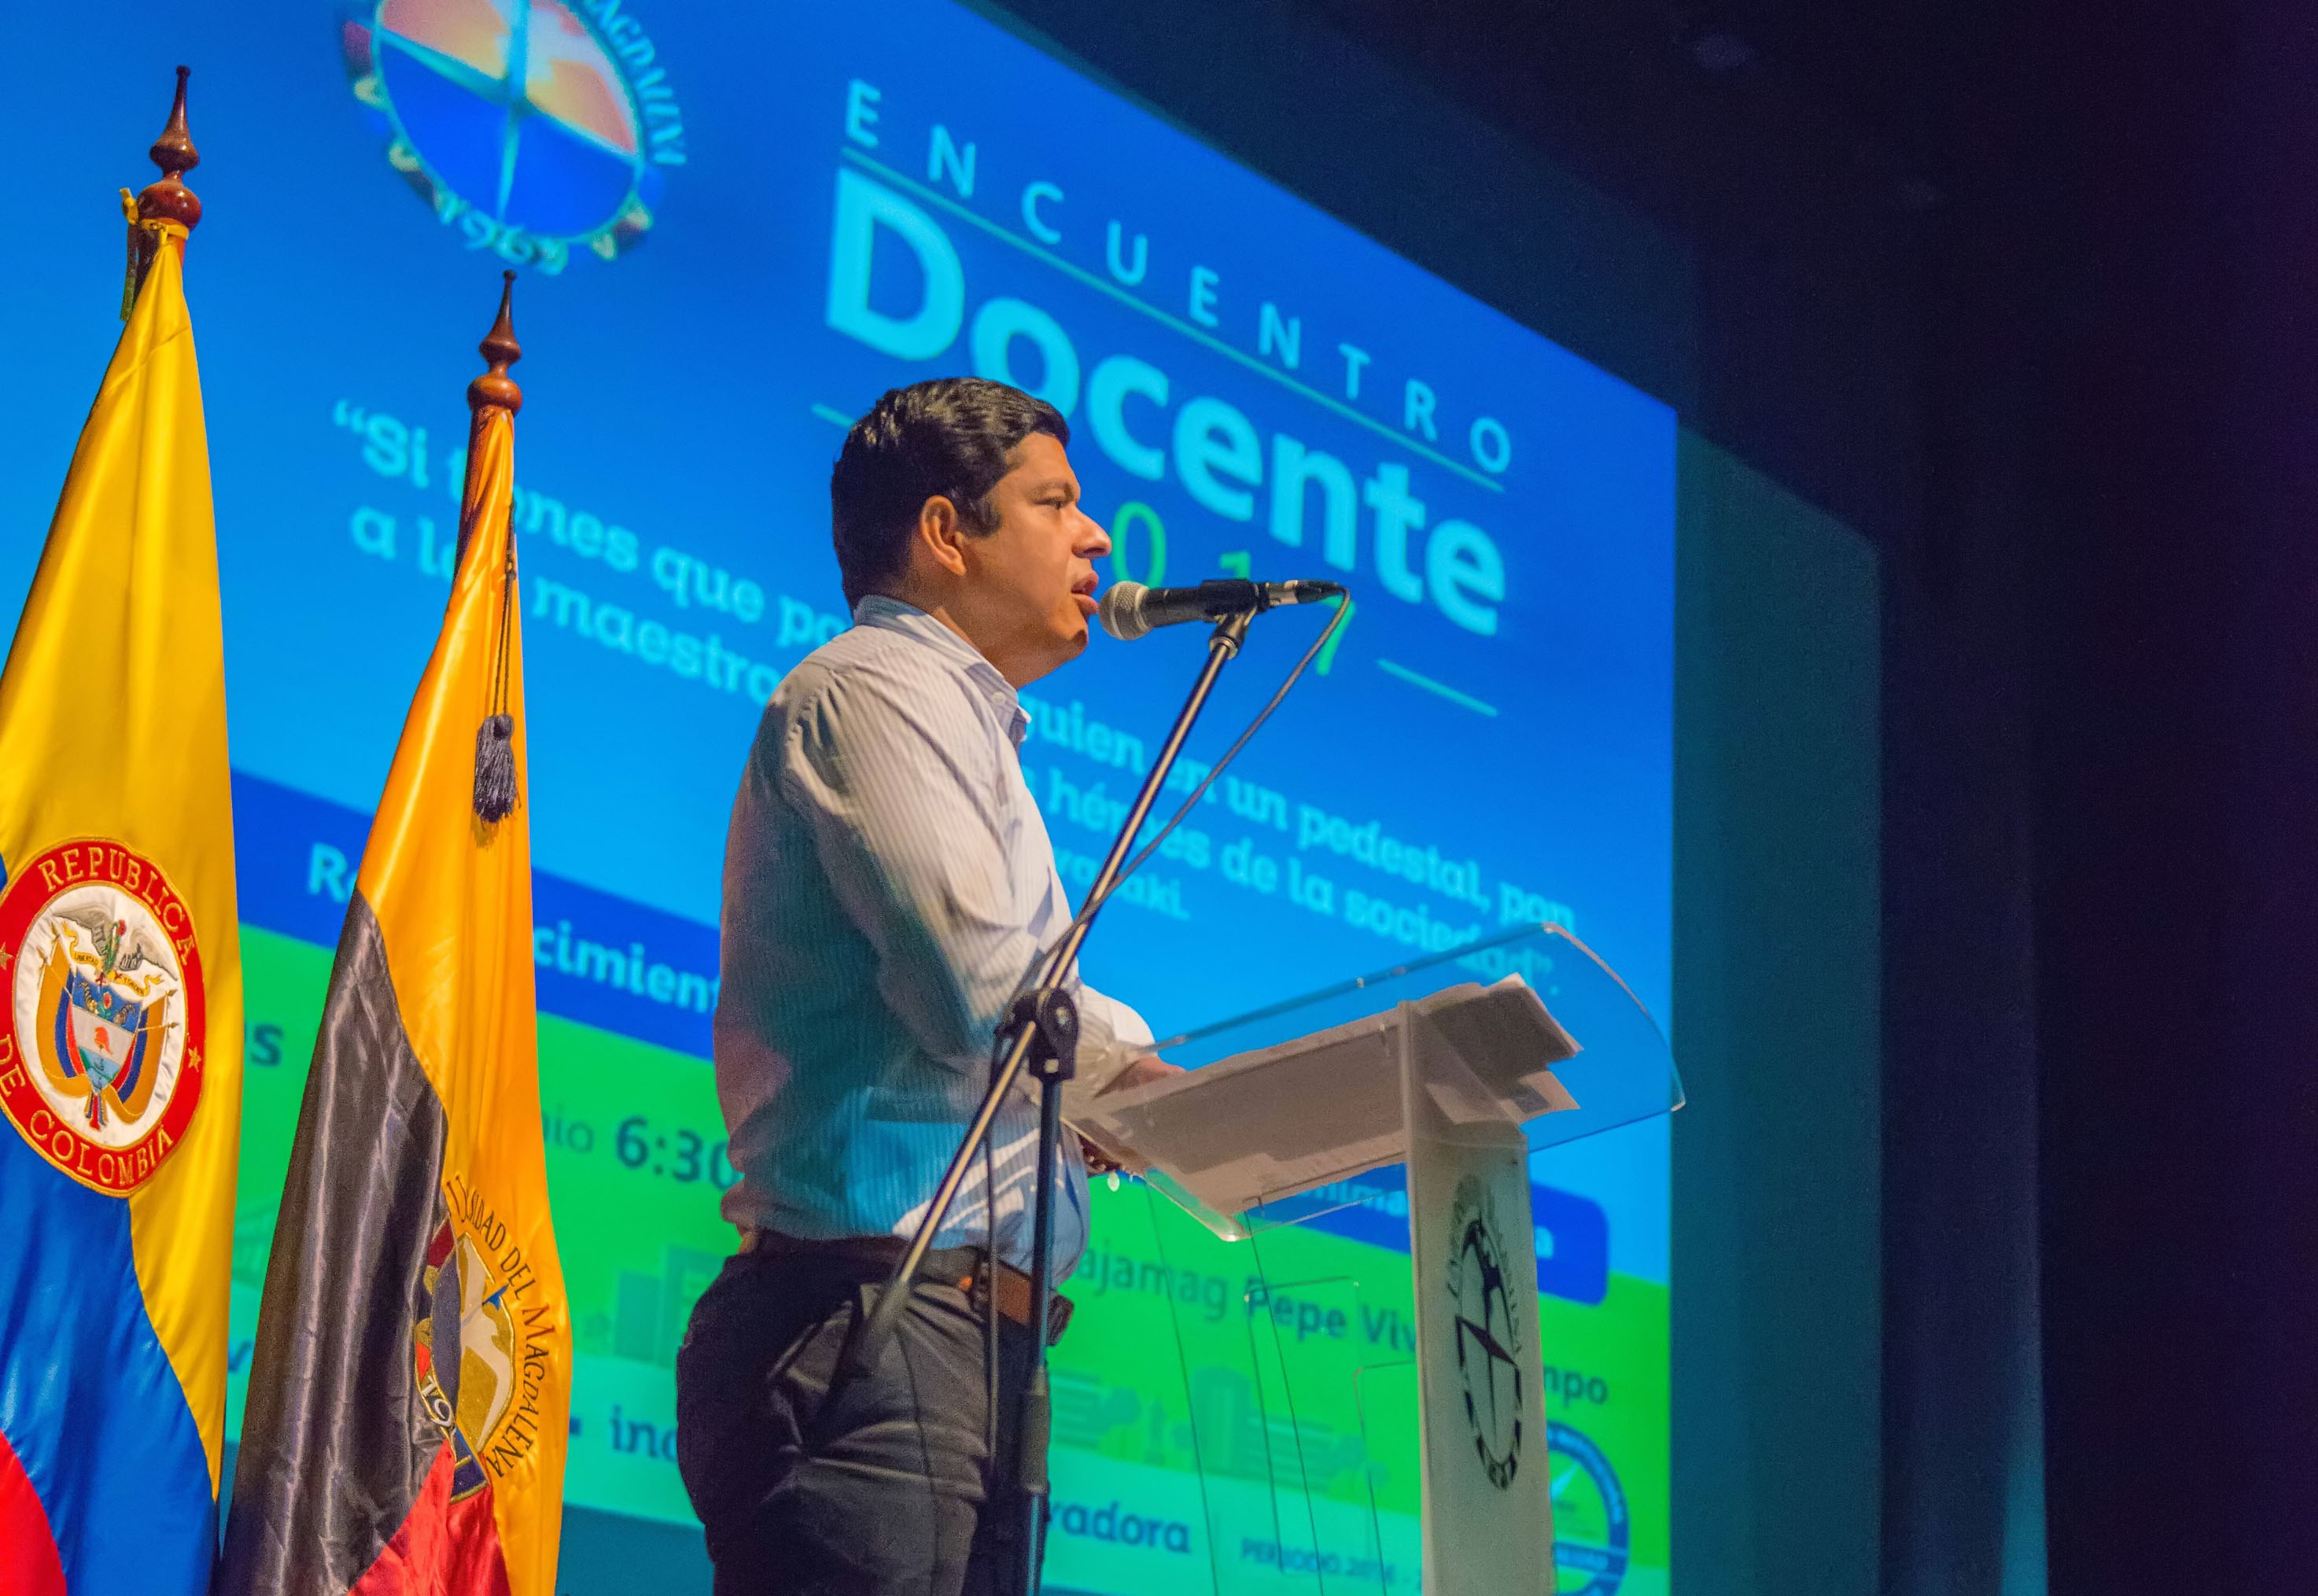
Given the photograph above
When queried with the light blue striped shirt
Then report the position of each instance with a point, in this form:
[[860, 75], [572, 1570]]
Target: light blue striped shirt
[[888, 884]]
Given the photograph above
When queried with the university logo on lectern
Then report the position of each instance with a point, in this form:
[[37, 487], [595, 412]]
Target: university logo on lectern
[[534, 127], [101, 1053], [1488, 1331]]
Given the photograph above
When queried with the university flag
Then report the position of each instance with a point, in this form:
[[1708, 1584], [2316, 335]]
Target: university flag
[[409, 1391], [120, 981]]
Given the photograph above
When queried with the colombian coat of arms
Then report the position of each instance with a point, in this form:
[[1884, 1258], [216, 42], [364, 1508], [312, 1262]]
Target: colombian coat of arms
[[101, 1048]]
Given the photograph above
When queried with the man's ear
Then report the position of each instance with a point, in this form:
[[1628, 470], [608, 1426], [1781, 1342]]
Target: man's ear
[[941, 535]]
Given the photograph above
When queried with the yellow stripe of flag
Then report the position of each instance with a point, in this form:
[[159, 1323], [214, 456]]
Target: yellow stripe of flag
[[112, 728]]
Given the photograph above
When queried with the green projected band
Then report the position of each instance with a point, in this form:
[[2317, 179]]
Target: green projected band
[[1195, 1374]]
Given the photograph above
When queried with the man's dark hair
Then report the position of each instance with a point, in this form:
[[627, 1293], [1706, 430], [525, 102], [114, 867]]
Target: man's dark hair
[[948, 438]]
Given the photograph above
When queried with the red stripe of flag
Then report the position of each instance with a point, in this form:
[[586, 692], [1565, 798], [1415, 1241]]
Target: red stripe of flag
[[29, 1564], [444, 1548]]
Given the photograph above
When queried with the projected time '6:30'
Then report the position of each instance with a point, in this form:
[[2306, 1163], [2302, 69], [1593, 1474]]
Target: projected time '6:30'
[[677, 1153]]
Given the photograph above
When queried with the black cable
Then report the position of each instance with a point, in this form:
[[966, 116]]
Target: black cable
[[1002, 1042], [990, 1361], [1342, 607]]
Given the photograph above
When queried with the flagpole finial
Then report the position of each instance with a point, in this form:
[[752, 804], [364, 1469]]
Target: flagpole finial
[[499, 349], [170, 200]]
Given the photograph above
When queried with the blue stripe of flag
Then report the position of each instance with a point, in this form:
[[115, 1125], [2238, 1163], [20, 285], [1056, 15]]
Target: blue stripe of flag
[[87, 1397]]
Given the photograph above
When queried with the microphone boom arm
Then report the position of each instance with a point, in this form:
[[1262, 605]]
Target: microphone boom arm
[[1050, 1059]]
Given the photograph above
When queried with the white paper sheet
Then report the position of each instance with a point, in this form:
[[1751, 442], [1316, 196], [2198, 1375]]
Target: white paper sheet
[[1266, 1125]]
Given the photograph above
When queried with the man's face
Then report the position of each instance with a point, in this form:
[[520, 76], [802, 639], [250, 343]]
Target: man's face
[[1029, 587]]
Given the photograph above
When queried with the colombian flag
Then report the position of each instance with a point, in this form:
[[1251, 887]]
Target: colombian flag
[[119, 982], [409, 1393]]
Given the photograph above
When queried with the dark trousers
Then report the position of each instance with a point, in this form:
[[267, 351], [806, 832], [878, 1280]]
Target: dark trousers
[[879, 1488]]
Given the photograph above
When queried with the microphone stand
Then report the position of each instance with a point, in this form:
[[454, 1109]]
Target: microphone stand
[[1041, 1033]]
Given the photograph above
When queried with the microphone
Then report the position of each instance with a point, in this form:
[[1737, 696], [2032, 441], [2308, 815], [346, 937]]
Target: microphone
[[1129, 609]]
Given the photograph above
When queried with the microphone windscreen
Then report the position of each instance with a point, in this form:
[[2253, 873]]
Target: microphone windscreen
[[1121, 611]]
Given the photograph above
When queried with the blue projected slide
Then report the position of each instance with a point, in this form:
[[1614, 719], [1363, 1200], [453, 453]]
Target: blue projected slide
[[736, 227]]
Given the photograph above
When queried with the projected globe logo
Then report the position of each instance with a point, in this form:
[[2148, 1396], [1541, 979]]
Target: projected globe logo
[[1593, 1527], [534, 129]]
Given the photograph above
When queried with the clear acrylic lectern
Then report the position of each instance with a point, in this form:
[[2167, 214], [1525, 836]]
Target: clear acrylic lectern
[[1356, 1420]]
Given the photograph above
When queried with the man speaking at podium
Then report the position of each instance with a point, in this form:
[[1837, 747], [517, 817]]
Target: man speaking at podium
[[888, 886]]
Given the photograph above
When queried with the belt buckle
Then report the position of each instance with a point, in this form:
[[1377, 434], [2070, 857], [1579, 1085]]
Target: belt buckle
[[1058, 1307]]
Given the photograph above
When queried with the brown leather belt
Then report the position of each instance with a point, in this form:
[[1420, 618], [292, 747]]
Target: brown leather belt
[[964, 1267]]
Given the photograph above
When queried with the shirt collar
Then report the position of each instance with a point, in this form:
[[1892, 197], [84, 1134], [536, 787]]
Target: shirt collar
[[891, 614]]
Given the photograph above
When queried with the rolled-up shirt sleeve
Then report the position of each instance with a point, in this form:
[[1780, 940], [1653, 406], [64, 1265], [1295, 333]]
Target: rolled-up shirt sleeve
[[905, 816]]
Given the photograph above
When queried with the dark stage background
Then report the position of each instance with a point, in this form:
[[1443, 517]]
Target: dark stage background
[[2024, 293]]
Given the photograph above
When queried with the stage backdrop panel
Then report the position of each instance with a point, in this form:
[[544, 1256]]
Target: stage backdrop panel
[[735, 228]]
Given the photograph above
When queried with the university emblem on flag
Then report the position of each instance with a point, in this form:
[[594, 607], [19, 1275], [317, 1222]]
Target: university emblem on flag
[[480, 1354], [100, 1055]]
